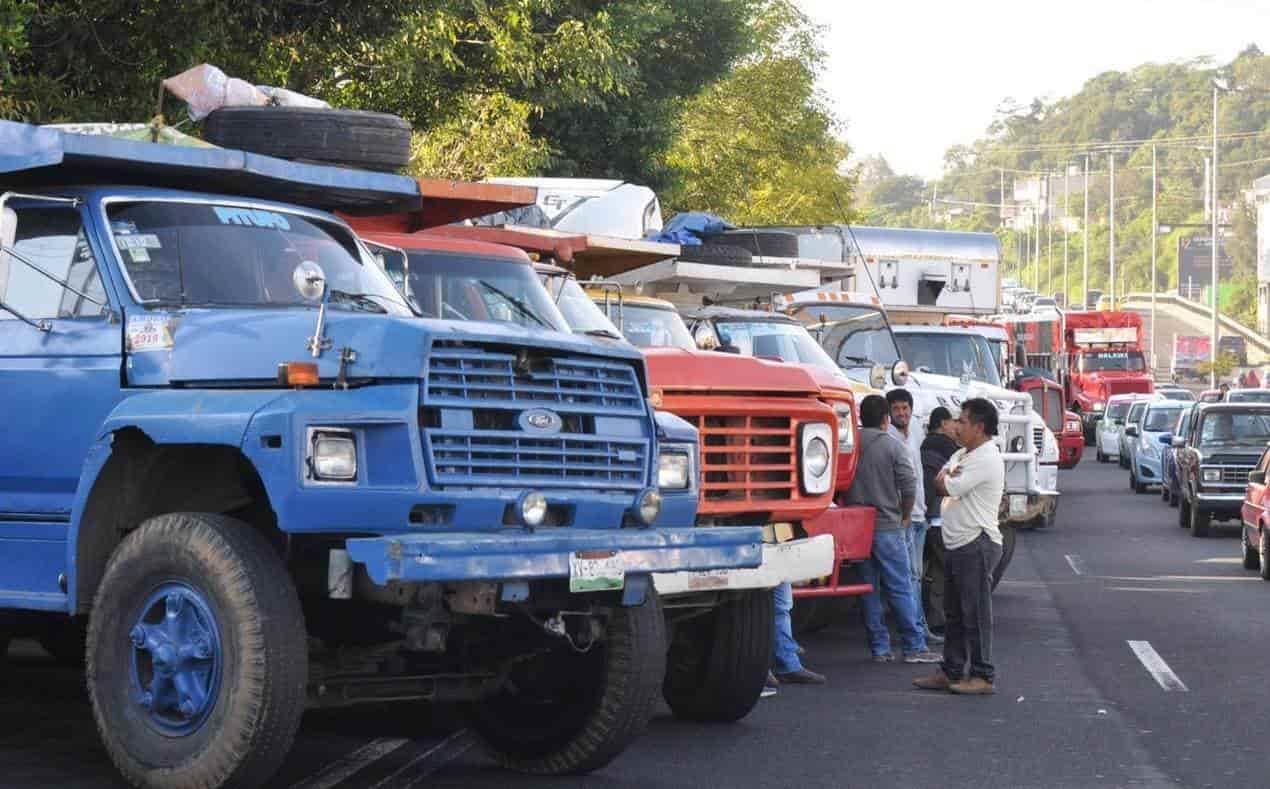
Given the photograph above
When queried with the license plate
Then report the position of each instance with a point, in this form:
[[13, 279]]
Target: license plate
[[704, 580], [1018, 505], [596, 571]]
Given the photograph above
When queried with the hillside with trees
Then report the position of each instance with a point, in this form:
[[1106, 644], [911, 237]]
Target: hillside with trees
[[1122, 113], [648, 91]]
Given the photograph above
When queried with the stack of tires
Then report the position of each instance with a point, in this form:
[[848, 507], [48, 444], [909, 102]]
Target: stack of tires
[[350, 138]]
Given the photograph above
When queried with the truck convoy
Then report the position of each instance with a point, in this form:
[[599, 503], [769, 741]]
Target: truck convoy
[[263, 482], [1093, 354]]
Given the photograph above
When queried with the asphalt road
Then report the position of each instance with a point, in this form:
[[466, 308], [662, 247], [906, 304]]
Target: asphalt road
[[1075, 707]]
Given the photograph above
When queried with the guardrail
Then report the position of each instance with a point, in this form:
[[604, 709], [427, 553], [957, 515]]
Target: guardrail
[[1251, 336]]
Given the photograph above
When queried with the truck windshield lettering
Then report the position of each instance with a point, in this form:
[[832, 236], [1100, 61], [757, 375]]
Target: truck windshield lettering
[[1130, 361]]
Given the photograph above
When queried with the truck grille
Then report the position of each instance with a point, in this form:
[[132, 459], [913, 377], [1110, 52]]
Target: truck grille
[[475, 399], [747, 458], [463, 374], [1038, 438], [1235, 474]]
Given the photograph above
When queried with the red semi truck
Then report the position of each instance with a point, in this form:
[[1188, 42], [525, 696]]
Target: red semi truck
[[1093, 354]]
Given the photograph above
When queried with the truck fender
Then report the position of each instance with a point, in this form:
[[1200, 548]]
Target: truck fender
[[161, 417]]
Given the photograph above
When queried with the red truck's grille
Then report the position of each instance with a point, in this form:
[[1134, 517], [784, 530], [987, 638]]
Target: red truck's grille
[[747, 458]]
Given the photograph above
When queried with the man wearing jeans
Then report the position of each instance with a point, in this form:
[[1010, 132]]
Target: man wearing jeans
[[787, 666], [886, 480], [901, 405], [973, 482]]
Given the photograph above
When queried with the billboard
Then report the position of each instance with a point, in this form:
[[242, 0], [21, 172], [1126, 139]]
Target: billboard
[[1195, 261]]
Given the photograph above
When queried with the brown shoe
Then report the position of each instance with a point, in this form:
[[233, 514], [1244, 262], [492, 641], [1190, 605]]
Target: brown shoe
[[937, 681], [974, 686]]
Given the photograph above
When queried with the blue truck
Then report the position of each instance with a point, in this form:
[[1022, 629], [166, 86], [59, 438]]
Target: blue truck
[[243, 478]]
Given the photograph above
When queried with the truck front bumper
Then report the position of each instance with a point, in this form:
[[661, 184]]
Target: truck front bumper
[[786, 562], [1227, 504], [516, 554]]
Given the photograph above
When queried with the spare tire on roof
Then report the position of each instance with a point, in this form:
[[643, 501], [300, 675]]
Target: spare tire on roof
[[354, 138], [765, 242], [718, 254]]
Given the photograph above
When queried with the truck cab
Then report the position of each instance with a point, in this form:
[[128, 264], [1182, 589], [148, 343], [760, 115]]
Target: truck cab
[[256, 480]]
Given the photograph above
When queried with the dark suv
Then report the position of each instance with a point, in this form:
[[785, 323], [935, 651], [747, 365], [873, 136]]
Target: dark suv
[[1223, 443]]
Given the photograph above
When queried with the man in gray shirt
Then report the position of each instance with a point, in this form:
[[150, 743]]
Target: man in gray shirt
[[886, 481]]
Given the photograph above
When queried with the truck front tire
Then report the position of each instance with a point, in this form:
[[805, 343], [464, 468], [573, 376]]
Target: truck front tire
[[569, 713], [197, 656], [718, 662]]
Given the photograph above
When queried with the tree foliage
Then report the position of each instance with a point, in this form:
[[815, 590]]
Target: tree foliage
[[619, 89]]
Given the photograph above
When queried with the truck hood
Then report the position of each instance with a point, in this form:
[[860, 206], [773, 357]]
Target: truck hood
[[225, 347], [674, 369], [1114, 382], [936, 384]]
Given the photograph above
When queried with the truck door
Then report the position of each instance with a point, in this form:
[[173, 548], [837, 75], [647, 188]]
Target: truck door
[[58, 381]]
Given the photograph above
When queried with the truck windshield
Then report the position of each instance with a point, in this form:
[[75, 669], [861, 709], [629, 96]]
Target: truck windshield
[[652, 327], [453, 286], [200, 254], [855, 336], [1097, 361], [950, 354], [787, 342], [1240, 427], [579, 311], [1160, 420]]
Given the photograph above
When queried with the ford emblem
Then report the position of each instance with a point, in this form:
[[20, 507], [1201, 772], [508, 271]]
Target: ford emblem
[[540, 420]]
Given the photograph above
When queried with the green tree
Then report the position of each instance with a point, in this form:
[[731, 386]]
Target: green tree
[[760, 146]]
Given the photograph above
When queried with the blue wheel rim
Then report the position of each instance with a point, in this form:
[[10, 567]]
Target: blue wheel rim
[[176, 659]]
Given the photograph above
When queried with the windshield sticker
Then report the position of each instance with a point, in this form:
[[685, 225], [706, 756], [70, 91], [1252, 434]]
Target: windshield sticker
[[252, 218], [123, 228], [148, 333], [143, 241], [139, 255]]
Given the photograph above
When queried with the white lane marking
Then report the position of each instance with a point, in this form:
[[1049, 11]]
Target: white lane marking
[[354, 762], [462, 740], [1075, 562], [1220, 560], [1164, 578], [1153, 589], [1156, 666]]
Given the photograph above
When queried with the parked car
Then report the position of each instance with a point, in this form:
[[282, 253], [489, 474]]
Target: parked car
[[1225, 441], [1175, 393], [1144, 443], [1168, 456], [1248, 396], [1107, 438], [1254, 520], [1133, 419]]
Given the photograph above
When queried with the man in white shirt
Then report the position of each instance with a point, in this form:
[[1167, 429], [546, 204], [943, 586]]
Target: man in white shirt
[[973, 482]]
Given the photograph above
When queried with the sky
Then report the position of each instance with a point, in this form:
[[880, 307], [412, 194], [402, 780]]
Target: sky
[[912, 77]]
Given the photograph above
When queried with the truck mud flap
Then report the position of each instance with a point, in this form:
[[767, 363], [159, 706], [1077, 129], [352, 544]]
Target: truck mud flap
[[517, 554]]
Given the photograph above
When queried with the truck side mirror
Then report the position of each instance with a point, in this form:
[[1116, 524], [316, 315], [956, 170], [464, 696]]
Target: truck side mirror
[[1131, 431], [1257, 477]]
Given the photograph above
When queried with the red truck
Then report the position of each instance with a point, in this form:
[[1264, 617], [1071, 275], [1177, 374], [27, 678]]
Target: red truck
[[1093, 354]]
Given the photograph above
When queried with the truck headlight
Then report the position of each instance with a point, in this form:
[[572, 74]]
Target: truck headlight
[[648, 506], [674, 470], [533, 508], [332, 455], [815, 459], [846, 428], [1212, 475], [1072, 426]]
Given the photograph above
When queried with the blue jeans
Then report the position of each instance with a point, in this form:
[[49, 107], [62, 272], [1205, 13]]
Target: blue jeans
[[888, 571], [785, 648], [916, 547]]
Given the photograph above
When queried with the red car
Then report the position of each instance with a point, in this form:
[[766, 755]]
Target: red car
[[1255, 520]]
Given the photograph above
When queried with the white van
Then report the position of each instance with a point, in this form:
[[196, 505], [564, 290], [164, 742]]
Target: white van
[[1107, 435]]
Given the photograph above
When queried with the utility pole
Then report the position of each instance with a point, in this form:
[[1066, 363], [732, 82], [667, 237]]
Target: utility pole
[[1085, 237], [1154, 232], [1111, 224], [1213, 279], [1001, 211], [1049, 235], [1067, 193]]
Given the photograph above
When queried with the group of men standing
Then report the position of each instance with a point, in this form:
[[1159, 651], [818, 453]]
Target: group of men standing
[[951, 479]]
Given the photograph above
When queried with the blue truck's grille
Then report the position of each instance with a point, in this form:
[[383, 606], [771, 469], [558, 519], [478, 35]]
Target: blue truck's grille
[[474, 401], [466, 375]]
